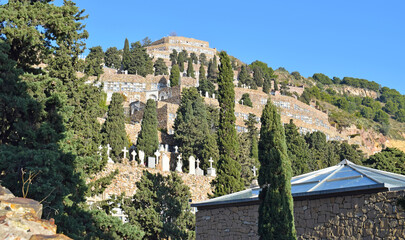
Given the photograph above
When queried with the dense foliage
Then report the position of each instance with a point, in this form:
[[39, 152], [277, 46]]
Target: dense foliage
[[138, 62], [94, 62], [113, 58], [160, 67], [276, 218], [114, 127], [245, 100], [160, 207], [228, 179], [192, 132], [148, 140], [174, 76]]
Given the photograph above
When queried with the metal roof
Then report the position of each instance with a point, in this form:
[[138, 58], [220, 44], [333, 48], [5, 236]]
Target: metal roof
[[343, 178]]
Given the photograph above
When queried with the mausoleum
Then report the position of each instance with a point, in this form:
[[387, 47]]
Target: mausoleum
[[346, 201]]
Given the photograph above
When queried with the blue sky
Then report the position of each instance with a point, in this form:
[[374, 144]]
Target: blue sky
[[363, 39]]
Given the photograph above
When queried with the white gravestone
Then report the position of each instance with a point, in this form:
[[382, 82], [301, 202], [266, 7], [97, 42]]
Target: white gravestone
[[157, 154], [198, 170], [165, 163], [141, 157], [108, 154], [211, 170], [167, 148], [125, 152], [176, 149], [213, 95], [151, 162], [206, 95], [133, 153], [254, 169], [179, 164], [191, 165]]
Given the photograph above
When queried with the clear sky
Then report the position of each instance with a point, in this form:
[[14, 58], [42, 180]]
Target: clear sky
[[355, 38]]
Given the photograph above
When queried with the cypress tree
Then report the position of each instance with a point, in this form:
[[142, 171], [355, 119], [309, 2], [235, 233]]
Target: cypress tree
[[297, 148], [139, 61], [204, 84], [114, 126], [229, 170], [190, 69], [192, 132], [266, 86], [125, 55], [276, 218], [174, 76], [148, 140], [246, 100]]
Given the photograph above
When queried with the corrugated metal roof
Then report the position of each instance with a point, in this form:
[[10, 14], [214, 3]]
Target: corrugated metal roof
[[344, 177]]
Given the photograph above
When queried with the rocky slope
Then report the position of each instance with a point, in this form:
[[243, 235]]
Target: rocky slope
[[20, 219]]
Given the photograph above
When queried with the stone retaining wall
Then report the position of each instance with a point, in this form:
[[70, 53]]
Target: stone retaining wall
[[365, 216], [129, 174]]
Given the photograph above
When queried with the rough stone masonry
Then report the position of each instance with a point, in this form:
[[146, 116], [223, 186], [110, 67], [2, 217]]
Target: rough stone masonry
[[363, 216]]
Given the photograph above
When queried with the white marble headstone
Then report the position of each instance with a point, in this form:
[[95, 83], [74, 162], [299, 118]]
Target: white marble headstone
[[191, 165], [179, 164], [165, 163], [142, 157], [151, 162]]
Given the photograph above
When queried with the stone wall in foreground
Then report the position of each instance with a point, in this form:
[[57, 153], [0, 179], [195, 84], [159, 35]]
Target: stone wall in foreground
[[365, 216]]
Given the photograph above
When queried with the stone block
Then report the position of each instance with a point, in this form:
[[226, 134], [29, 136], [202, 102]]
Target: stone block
[[22, 206], [5, 193], [51, 237]]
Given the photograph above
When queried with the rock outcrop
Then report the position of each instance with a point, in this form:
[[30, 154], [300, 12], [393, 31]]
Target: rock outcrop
[[20, 219]]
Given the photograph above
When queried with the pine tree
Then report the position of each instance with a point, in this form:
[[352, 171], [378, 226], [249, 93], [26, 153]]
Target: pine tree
[[160, 67], [191, 130], [94, 62], [276, 218], [160, 206], [113, 58], [125, 55], [190, 69], [114, 127], [174, 76], [229, 178], [148, 140], [258, 76]]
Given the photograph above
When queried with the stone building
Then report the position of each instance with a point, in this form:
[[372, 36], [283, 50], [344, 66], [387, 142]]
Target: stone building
[[346, 201], [163, 47]]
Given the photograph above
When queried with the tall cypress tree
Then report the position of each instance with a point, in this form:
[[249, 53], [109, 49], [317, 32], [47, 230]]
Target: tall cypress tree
[[204, 84], [297, 148], [125, 55], [174, 76], [192, 132], [276, 218], [148, 140], [229, 170], [114, 126], [190, 69]]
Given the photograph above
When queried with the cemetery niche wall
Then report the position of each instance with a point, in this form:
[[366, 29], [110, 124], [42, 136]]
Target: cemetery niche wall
[[346, 201]]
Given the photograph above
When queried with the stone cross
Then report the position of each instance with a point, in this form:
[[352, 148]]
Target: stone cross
[[198, 170], [241, 101], [191, 165], [211, 161], [157, 154], [141, 157], [125, 152], [176, 149], [133, 155], [254, 169], [179, 164]]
